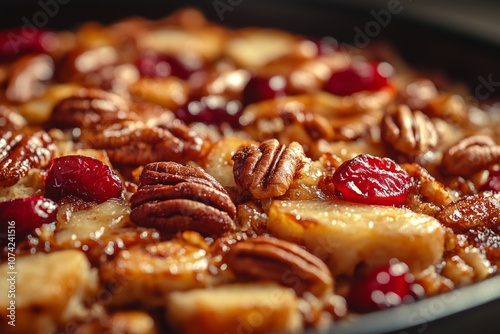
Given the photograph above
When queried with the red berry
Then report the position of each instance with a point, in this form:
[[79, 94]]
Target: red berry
[[359, 77], [372, 180], [211, 110], [19, 41], [384, 287], [23, 215], [84, 177], [262, 88], [493, 182], [161, 66]]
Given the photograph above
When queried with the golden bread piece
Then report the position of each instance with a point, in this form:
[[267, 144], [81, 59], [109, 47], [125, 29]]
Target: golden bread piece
[[147, 274], [49, 290], [346, 234], [237, 308]]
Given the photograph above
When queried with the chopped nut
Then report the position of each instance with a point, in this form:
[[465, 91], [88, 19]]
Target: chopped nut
[[137, 143], [28, 76], [427, 195], [409, 132], [267, 258], [89, 107], [267, 170], [22, 151], [470, 155], [174, 198]]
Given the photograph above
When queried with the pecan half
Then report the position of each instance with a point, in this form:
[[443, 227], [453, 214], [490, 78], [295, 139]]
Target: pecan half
[[267, 258], [174, 198], [28, 77], [470, 155], [409, 132], [267, 170], [137, 143], [470, 212], [21, 151], [10, 120], [89, 107]]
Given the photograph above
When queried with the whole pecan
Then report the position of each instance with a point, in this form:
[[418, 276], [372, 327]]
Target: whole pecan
[[28, 77], [268, 258], [174, 198], [470, 155], [267, 170], [90, 107], [21, 151], [409, 132], [138, 143]]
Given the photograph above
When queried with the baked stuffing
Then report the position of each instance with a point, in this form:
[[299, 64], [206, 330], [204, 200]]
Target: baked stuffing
[[181, 176]]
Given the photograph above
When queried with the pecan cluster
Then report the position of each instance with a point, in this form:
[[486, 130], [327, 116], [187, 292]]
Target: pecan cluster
[[268, 258], [269, 169], [10, 120], [408, 132], [173, 198], [470, 155], [21, 151]]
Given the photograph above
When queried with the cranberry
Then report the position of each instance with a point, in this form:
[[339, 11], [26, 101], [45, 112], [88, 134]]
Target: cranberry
[[211, 110], [84, 177], [19, 41], [161, 66], [23, 215], [384, 287], [493, 182], [360, 76], [263, 88], [372, 180]]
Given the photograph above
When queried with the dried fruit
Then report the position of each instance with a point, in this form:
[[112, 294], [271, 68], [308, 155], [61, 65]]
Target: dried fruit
[[175, 198], [20, 41], [84, 177], [384, 287], [23, 215], [493, 182], [211, 110], [262, 88], [358, 77], [372, 180]]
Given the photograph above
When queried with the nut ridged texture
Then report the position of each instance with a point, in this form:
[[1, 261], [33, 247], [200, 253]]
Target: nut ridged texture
[[269, 169], [137, 143], [268, 258], [409, 132], [470, 155], [173, 198], [89, 107], [22, 151]]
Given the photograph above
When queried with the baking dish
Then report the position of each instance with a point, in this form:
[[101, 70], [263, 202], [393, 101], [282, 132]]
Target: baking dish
[[420, 44]]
